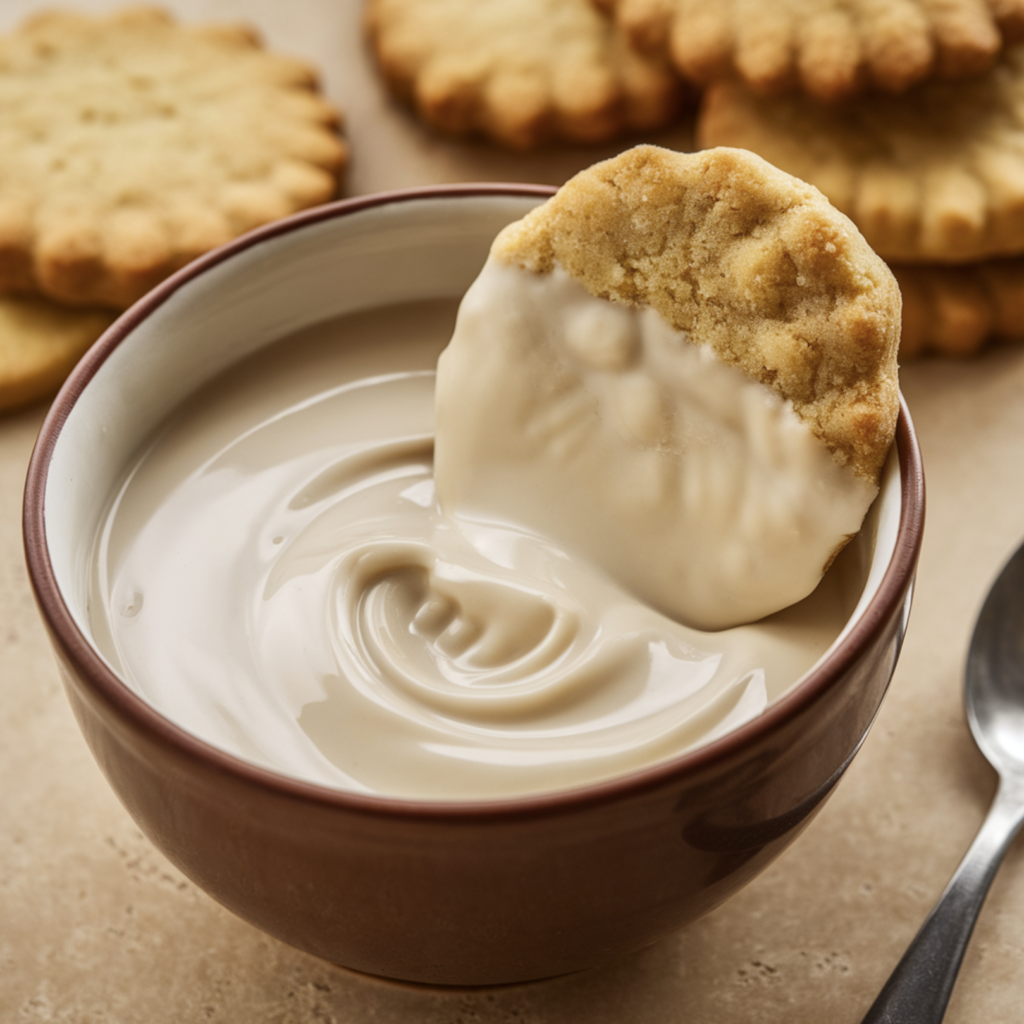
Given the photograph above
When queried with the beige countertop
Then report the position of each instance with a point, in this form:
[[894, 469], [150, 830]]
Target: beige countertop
[[96, 927]]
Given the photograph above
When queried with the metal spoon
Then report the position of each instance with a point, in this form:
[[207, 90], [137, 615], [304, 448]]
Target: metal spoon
[[918, 990]]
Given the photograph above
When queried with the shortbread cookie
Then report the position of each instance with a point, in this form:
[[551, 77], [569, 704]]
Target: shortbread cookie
[[747, 260], [830, 49], [933, 176], [520, 72], [956, 310], [130, 145], [683, 367], [40, 342]]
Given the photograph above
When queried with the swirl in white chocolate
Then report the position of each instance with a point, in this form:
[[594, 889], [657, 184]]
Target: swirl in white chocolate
[[277, 577]]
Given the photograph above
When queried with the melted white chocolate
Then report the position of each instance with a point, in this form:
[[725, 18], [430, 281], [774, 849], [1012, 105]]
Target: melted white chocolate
[[277, 577], [601, 427]]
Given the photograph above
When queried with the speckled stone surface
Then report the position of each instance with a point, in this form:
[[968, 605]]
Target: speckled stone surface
[[97, 928]]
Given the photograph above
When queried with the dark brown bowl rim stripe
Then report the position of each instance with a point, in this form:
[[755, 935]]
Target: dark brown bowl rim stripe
[[74, 647]]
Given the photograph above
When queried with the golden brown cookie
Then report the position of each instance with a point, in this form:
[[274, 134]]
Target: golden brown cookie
[[956, 310], [39, 344], [520, 72], [129, 145], [933, 176], [746, 260], [829, 49]]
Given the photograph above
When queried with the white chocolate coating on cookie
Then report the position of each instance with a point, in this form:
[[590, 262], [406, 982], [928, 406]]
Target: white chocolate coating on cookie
[[597, 425], [348, 633]]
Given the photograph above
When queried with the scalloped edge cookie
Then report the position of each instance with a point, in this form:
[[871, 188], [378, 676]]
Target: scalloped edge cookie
[[520, 72], [957, 311], [130, 144], [829, 49], [40, 343], [936, 176]]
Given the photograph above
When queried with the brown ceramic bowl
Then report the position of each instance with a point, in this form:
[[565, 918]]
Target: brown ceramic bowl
[[449, 893]]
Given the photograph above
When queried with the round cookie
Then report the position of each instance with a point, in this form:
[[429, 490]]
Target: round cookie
[[40, 342], [746, 260], [956, 310], [936, 176], [680, 369], [830, 49], [130, 145], [519, 72]]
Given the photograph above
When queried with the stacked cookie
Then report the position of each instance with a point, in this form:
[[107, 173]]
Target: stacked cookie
[[907, 114], [129, 145], [827, 49], [933, 177], [520, 72]]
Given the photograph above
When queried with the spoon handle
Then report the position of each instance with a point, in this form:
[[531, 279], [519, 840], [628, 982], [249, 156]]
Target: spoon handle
[[918, 990]]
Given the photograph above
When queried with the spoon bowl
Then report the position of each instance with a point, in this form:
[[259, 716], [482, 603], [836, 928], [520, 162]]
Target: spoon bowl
[[994, 692], [919, 989]]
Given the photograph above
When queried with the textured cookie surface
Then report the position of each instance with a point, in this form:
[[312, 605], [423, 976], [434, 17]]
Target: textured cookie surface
[[746, 260], [933, 176], [130, 145], [827, 48], [40, 342], [520, 72]]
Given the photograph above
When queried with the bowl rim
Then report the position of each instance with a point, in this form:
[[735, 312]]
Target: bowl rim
[[99, 678]]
